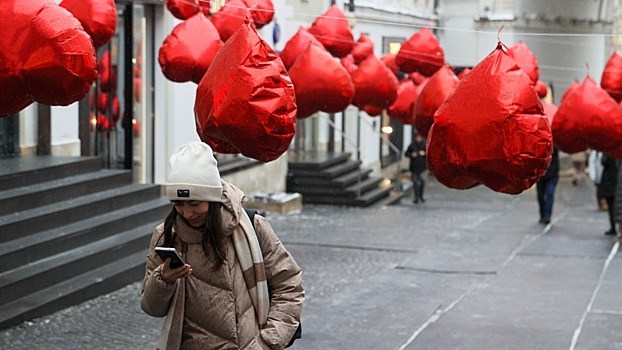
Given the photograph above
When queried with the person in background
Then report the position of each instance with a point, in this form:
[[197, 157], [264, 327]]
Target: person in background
[[595, 171], [608, 184], [545, 189], [418, 165], [240, 288], [579, 163]]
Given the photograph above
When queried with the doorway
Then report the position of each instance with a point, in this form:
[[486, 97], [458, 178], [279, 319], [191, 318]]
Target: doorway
[[118, 117]]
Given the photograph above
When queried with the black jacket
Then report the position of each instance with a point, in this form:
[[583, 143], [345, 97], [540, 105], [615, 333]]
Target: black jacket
[[553, 170], [418, 162]]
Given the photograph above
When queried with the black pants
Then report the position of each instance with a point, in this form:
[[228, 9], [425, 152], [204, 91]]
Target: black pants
[[418, 184], [612, 214]]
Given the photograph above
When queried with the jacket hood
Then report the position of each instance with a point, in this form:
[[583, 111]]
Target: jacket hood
[[231, 209]]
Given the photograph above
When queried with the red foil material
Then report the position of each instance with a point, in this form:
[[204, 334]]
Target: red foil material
[[322, 83], [389, 60], [541, 89], [374, 84], [332, 29], [186, 53], [492, 130], [106, 73], [363, 48], [262, 11], [246, 103], [421, 53], [46, 56], [230, 18], [296, 45], [611, 79], [372, 111], [98, 18], [526, 60], [184, 9], [440, 86], [587, 118], [402, 108]]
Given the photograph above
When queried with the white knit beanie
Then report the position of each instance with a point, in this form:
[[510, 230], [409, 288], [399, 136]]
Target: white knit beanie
[[193, 174]]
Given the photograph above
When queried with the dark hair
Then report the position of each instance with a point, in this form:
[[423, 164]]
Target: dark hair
[[213, 241]]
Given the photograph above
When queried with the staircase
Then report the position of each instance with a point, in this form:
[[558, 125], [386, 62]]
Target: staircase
[[334, 178], [69, 231]]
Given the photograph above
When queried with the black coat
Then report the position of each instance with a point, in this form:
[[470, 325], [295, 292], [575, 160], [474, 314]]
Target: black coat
[[417, 155], [610, 176], [553, 170]]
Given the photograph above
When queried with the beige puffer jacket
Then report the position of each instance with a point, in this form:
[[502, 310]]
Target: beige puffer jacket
[[219, 313]]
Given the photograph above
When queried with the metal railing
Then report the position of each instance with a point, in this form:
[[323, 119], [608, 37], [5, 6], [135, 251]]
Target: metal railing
[[397, 186]]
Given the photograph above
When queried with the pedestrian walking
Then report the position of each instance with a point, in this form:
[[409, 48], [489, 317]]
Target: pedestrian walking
[[545, 189], [579, 163], [418, 166], [238, 287], [608, 184], [595, 172]]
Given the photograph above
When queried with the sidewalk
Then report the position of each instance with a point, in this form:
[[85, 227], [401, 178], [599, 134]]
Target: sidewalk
[[466, 270]]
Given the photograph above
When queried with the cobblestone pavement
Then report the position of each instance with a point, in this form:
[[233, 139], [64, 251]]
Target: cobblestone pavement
[[466, 270]]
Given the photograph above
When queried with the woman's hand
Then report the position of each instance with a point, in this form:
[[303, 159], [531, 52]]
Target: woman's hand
[[171, 275]]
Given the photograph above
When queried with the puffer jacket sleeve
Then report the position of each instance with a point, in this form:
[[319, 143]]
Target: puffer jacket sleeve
[[156, 294], [285, 284]]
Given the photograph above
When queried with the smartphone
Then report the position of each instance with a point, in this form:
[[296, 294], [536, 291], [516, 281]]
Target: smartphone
[[176, 259]]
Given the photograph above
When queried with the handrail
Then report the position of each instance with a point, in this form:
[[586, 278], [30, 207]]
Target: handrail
[[397, 183], [353, 143]]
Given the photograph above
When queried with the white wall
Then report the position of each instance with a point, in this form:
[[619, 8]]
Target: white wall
[[65, 140]]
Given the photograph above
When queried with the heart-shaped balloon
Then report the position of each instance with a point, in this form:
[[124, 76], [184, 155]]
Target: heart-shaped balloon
[[436, 90], [492, 130], [332, 29], [321, 82], [421, 53], [374, 84], [98, 18], [587, 117], [47, 57], [246, 99], [296, 45], [186, 53]]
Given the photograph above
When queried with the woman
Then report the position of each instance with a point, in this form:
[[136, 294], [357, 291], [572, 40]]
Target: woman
[[220, 299]]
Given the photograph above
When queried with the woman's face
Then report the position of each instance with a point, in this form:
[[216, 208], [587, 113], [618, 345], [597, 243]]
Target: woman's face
[[194, 212]]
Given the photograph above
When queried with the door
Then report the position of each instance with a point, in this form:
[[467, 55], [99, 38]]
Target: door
[[120, 105]]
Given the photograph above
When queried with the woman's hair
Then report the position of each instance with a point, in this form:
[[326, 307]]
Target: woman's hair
[[213, 241]]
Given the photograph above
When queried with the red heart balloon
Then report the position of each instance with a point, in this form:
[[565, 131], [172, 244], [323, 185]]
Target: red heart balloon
[[374, 84], [184, 9], [436, 90], [47, 57], [322, 83], [98, 18], [262, 11], [332, 29], [587, 118], [247, 99], [526, 60], [611, 79], [297, 45], [230, 18], [402, 108], [186, 53], [363, 48], [421, 53], [492, 130]]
